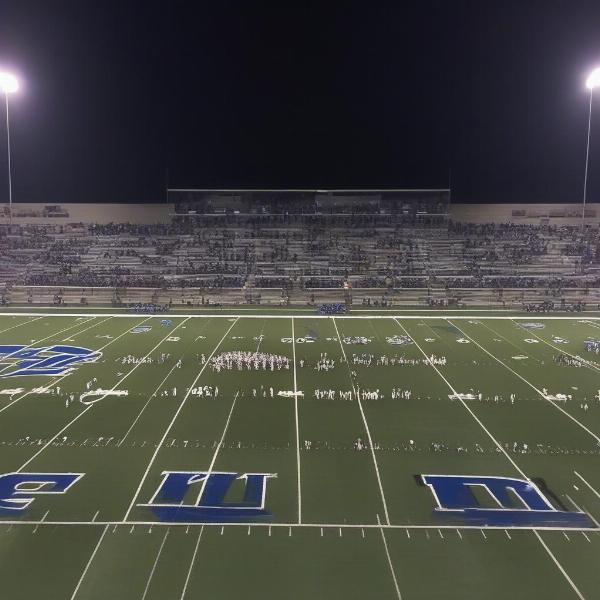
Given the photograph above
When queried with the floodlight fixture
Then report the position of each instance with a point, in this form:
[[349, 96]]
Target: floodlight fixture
[[593, 80], [9, 84]]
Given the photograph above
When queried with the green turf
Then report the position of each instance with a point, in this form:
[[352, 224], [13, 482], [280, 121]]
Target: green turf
[[328, 498]]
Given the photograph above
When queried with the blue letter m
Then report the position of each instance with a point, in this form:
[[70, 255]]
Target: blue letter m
[[519, 502]]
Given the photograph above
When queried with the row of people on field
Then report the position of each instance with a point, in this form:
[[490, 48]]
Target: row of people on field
[[245, 360]]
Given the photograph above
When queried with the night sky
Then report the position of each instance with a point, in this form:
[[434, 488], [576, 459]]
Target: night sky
[[120, 97]]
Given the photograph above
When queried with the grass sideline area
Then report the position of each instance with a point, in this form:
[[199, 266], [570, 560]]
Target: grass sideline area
[[347, 515]]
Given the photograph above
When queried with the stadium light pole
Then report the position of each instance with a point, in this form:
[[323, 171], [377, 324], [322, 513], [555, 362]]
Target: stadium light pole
[[8, 85], [593, 81]]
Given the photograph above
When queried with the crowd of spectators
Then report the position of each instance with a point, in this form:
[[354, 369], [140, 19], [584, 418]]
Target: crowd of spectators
[[304, 250]]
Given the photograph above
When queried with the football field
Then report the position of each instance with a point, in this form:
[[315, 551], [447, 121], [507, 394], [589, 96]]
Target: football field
[[140, 466]]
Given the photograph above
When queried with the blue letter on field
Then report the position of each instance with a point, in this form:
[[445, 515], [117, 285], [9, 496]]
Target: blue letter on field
[[17, 490], [455, 498], [168, 503]]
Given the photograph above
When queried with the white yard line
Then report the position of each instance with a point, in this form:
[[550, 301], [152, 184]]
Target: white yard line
[[457, 396], [171, 332], [581, 510], [513, 344], [89, 562], [366, 425], [387, 552], [216, 452], [19, 324], [533, 387], [560, 568], [596, 493], [155, 392], [151, 575], [189, 572], [297, 425], [587, 363], [260, 335], [91, 405], [152, 395], [220, 444], [169, 427], [499, 446], [91, 327]]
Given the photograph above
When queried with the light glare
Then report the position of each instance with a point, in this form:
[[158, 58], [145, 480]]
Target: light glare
[[8, 83], [593, 79]]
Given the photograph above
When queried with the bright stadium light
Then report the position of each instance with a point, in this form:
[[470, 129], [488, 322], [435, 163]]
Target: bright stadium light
[[593, 81], [8, 85]]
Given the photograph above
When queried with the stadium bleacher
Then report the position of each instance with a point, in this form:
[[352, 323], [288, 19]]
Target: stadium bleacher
[[350, 250]]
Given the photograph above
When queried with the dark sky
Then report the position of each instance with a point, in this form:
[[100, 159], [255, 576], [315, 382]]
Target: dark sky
[[300, 94]]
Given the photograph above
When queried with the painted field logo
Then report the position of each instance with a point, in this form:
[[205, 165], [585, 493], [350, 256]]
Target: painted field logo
[[18, 490], [517, 502], [48, 360], [168, 503], [141, 329]]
